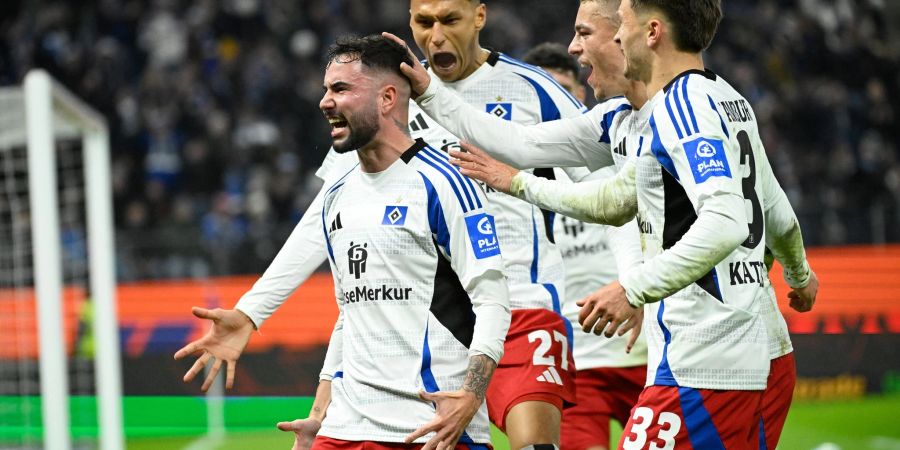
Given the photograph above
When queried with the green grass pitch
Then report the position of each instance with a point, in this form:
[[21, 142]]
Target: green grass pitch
[[163, 423]]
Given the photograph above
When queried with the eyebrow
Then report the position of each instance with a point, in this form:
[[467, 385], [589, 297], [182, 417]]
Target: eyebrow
[[336, 85], [439, 16], [582, 27]]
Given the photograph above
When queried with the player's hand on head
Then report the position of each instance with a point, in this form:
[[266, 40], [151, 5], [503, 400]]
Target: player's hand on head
[[605, 310], [223, 343], [453, 412], [803, 299], [304, 432], [417, 74], [475, 163]]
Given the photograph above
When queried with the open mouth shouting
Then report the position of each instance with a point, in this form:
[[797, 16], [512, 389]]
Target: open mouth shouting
[[338, 125], [445, 63]]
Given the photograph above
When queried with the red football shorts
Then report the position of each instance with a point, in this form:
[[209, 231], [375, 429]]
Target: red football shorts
[[537, 364], [678, 418], [601, 394], [327, 443], [777, 400]]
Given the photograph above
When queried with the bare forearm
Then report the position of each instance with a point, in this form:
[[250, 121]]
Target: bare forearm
[[478, 375], [321, 402]]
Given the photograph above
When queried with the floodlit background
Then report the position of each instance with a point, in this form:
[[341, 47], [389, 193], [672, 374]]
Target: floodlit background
[[216, 133]]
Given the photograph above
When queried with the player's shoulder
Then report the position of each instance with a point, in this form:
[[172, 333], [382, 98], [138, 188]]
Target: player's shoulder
[[441, 178], [608, 115], [541, 81], [687, 106]]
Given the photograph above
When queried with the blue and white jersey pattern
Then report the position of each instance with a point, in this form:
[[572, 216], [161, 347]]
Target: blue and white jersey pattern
[[407, 247], [704, 149], [517, 92]]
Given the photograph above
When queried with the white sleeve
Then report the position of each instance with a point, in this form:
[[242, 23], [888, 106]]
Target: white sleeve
[[701, 162], [470, 243], [611, 201], [783, 236], [568, 142], [720, 227], [302, 253], [335, 354]]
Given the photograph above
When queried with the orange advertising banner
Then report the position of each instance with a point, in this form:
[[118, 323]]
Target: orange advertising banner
[[860, 291]]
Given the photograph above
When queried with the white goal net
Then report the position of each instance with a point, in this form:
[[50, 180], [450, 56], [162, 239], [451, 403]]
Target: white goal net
[[60, 375]]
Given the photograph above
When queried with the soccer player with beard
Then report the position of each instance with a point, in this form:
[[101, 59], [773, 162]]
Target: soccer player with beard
[[537, 371], [418, 275], [700, 222]]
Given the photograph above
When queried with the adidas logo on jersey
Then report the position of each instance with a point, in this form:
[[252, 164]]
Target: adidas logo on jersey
[[336, 223], [418, 123], [550, 376]]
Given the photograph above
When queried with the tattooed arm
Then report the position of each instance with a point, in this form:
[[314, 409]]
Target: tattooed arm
[[478, 376], [454, 410]]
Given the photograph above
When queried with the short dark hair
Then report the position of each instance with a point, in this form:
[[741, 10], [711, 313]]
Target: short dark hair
[[374, 51], [694, 22], [551, 55]]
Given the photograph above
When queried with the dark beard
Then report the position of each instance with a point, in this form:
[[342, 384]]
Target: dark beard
[[362, 131]]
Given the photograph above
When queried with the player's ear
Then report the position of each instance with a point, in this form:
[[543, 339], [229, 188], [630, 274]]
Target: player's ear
[[654, 32], [480, 16], [389, 96]]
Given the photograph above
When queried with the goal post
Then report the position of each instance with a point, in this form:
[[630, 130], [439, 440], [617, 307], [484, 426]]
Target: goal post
[[52, 113]]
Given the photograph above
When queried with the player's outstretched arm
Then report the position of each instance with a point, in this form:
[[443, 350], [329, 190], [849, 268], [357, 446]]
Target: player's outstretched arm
[[224, 343], [785, 240], [302, 253], [305, 429], [454, 410], [573, 141], [610, 201]]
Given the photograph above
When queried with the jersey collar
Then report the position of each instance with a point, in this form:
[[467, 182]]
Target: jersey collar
[[706, 73], [408, 155]]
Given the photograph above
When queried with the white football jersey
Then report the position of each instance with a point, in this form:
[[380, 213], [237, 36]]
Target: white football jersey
[[702, 153], [409, 248], [591, 263], [517, 92]]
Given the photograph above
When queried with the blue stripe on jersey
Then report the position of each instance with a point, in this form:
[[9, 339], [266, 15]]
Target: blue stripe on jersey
[[668, 103], [436, 216], [664, 376], [337, 185], [474, 446], [549, 111], [701, 430], [443, 171], [712, 105], [554, 298], [444, 160], [660, 152], [338, 374], [543, 74], [324, 224], [534, 248], [428, 377], [676, 98], [762, 435], [606, 121], [640, 145], [687, 100]]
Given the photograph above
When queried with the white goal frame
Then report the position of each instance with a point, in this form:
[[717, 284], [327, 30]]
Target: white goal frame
[[51, 113]]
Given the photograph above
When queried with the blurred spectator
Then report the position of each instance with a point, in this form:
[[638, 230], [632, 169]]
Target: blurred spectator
[[216, 129]]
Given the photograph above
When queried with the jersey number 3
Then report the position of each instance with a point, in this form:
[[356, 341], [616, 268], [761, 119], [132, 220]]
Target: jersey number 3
[[748, 166], [641, 420]]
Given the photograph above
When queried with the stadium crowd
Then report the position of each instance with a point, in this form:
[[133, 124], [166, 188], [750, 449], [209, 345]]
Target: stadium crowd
[[216, 130]]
